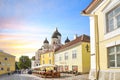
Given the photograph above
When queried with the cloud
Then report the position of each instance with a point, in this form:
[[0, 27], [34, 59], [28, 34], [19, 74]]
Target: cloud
[[20, 47], [17, 34], [22, 39]]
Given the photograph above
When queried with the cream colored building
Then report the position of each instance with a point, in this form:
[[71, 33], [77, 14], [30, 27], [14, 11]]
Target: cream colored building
[[7, 63], [105, 32], [74, 55]]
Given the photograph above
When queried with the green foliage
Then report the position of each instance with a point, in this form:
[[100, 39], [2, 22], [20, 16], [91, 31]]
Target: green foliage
[[24, 62], [33, 58], [16, 66]]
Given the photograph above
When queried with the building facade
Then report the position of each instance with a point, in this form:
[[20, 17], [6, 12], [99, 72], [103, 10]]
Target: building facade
[[105, 22], [74, 55], [7, 63], [36, 63], [47, 58]]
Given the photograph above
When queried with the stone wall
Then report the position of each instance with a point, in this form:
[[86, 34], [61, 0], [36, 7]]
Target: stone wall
[[109, 75]]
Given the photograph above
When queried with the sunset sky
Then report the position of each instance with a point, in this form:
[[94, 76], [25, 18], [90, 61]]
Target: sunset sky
[[24, 24]]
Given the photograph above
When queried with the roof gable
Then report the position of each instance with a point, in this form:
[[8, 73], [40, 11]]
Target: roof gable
[[91, 6], [82, 38]]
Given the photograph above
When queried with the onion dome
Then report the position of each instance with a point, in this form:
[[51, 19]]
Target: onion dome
[[67, 40], [46, 41], [56, 34]]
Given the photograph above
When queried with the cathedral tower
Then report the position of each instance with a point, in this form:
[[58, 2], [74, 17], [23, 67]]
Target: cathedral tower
[[56, 38]]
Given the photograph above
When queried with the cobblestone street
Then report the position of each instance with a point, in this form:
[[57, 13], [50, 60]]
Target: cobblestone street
[[33, 77], [19, 77]]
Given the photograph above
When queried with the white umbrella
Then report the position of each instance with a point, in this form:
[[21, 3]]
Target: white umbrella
[[47, 65]]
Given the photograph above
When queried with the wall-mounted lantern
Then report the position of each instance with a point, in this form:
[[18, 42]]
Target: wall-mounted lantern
[[87, 48]]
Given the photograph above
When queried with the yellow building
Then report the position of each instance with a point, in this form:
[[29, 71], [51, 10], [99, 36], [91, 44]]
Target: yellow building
[[7, 63], [47, 57], [105, 23], [74, 55]]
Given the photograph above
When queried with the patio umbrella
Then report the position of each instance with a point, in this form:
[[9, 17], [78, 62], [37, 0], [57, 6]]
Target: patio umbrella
[[47, 65]]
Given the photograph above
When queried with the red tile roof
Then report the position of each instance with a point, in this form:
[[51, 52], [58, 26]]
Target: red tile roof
[[92, 6], [82, 38]]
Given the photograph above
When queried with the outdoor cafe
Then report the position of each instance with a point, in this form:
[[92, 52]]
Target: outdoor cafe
[[47, 70]]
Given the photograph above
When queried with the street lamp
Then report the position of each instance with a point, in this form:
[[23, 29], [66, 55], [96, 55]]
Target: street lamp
[[87, 47]]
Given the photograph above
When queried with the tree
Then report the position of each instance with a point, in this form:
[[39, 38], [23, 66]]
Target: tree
[[33, 58], [24, 62], [16, 66]]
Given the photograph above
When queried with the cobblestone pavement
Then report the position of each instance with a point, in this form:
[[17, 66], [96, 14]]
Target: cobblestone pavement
[[33, 77], [19, 77]]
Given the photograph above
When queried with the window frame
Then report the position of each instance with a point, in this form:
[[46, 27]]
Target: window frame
[[115, 53], [2, 68], [114, 19], [74, 54], [60, 58], [75, 68], [49, 55], [50, 61], [43, 62], [66, 67], [5, 58], [66, 55]]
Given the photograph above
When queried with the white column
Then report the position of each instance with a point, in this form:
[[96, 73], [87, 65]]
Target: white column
[[92, 45]]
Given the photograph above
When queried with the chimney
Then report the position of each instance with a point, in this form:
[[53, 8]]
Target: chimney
[[75, 36]]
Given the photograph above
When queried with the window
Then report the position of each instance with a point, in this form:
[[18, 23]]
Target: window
[[60, 68], [113, 19], [66, 68], [74, 54], [50, 61], [114, 56], [74, 68], [2, 68], [8, 69], [43, 62], [49, 54], [66, 56], [60, 58], [5, 58], [36, 64]]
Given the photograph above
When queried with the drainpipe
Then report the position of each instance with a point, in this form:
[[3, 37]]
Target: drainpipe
[[97, 47], [96, 44]]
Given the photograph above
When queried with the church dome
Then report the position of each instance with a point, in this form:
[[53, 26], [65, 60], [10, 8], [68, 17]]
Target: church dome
[[56, 34], [46, 41], [67, 40]]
